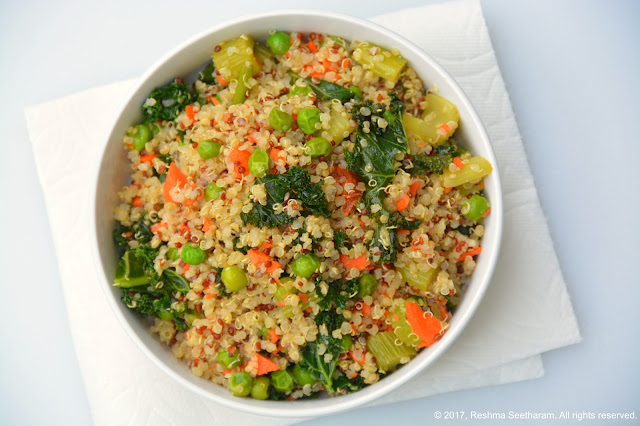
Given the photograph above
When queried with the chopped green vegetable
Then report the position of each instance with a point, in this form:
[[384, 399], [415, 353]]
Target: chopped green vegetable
[[280, 120], [387, 353], [259, 163], [475, 207], [260, 388], [279, 42], [307, 119], [233, 56], [241, 383], [193, 254], [475, 168], [306, 265], [367, 284], [318, 147], [140, 135], [208, 74], [282, 381], [228, 360], [209, 149], [234, 278], [212, 191], [382, 62], [240, 95], [340, 125], [167, 102]]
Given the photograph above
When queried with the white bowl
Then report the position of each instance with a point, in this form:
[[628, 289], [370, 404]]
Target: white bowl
[[185, 61]]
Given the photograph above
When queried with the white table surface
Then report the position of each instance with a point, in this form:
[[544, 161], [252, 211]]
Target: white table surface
[[572, 71]]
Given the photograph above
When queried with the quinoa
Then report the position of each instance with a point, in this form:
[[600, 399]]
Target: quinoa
[[199, 317]]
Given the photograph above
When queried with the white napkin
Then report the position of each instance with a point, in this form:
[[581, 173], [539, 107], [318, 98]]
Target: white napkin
[[525, 312]]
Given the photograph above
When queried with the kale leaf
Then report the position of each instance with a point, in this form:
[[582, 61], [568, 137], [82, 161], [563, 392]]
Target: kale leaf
[[313, 361], [340, 240], [444, 155], [208, 74], [337, 295], [297, 183], [373, 159], [326, 91], [166, 103]]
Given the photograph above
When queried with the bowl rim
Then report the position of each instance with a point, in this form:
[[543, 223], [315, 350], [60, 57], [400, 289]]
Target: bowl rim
[[410, 370]]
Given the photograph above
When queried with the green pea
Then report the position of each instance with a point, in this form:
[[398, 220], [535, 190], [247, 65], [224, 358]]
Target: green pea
[[300, 90], [259, 163], [306, 265], [209, 149], [280, 120], [367, 284], [279, 42], [282, 381], [285, 288], [307, 120], [260, 388], [212, 191], [240, 384], [229, 361], [475, 207], [141, 135], [234, 278], [356, 92], [318, 147], [302, 376], [346, 342], [193, 255], [172, 254]]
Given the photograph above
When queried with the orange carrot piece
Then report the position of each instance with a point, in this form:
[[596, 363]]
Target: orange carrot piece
[[472, 252], [147, 158], [186, 267], [174, 178], [252, 138], [278, 156], [273, 337], [426, 327], [317, 74], [403, 231], [303, 297], [273, 265], [206, 225], [486, 212], [360, 263], [257, 257], [312, 47], [403, 202], [458, 162], [155, 228], [263, 364], [448, 189], [240, 160], [444, 129], [366, 309], [137, 202], [209, 296], [190, 113], [221, 80], [414, 188], [361, 222]]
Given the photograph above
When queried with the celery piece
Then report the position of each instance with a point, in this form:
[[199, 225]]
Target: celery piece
[[401, 327], [439, 110], [439, 121], [382, 62], [262, 53], [233, 56], [340, 126], [418, 279], [339, 41], [240, 95], [130, 271], [387, 353], [285, 288], [475, 168]]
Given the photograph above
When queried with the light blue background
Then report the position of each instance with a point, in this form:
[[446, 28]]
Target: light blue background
[[572, 69]]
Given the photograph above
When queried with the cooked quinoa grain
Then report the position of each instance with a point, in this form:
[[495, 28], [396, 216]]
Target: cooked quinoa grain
[[344, 258]]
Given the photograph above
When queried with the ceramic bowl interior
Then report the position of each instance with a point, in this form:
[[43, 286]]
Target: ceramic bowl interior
[[186, 61]]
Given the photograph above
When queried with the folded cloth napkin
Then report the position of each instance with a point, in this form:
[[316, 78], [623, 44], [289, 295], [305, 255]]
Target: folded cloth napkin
[[525, 312]]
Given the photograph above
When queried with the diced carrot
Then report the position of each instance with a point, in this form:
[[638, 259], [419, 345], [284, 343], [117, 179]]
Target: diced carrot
[[257, 257], [303, 297], [186, 267], [252, 138], [343, 176], [137, 202], [366, 309], [486, 212], [227, 117], [472, 252], [199, 308], [448, 189], [278, 156], [360, 262], [226, 371], [444, 129], [345, 63], [316, 74], [190, 113], [273, 337], [155, 228], [414, 188], [458, 162], [147, 158], [403, 231], [403, 202], [312, 47], [174, 178], [221, 80], [263, 365], [240, 160], [380, 97], [209, 296], [272, 266], [328, 65], [287, 54], [426, 327], [361, 222], [354, 328], [266, 245], [206, 225]]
